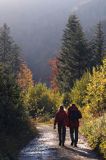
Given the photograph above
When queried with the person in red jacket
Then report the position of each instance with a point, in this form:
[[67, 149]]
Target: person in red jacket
[[73, 119], [61, 120]]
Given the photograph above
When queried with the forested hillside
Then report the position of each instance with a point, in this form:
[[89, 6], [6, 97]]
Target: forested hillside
[[92, 12]]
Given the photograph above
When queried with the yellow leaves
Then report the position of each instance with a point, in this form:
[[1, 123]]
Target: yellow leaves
[[41, 100], [103, 148], [86, 112], [94, 113], [96, 90]]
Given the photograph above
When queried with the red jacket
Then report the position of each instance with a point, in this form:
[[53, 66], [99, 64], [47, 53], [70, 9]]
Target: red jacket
[[61, 118], [74, 123]]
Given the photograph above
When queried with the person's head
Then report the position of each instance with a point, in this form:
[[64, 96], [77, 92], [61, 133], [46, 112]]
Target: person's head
[[61, 107], [73, 105]]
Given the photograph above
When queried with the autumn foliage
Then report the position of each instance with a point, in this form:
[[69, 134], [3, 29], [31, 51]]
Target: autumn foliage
[[24, 77], [89, 93], [54, 72]]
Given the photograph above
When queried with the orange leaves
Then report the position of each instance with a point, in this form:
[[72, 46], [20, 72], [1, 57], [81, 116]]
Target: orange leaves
[[54, 72], [24, 77]]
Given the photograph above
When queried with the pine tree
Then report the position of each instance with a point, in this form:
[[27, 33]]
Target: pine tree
[[73, 58], [9, 51], [11, 110], [98, 45]]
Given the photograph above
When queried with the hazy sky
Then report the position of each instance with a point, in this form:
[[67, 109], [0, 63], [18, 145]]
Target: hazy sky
[[30, 17], [14, 12], [10, 10], [38, 3]]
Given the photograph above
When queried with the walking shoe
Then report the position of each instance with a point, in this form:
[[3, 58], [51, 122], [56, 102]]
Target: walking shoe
[[63, 144], [71, 143], [75, 145], [59, 143]]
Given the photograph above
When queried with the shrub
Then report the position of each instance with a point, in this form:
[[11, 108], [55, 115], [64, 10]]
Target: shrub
[[41, 100], [78, 92], [89, 93], [95, 131]]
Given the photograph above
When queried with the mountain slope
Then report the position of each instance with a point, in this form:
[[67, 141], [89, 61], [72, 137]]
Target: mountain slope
[[37, 26], [92, 12]]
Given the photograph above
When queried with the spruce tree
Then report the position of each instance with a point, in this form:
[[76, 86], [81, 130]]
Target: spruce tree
[[9, 51], [11, 110], [73, 57], [99, 44]]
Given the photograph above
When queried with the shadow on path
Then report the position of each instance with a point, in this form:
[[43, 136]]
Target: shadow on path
[[87, 153], [45, 147]]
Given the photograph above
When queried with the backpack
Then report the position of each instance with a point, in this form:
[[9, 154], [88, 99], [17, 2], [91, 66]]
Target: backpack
[[75, 115]]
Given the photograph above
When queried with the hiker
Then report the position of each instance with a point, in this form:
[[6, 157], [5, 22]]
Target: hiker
[[61, 120], [73, 119]]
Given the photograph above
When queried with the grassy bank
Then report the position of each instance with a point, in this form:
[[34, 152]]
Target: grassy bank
[[94, 129], [12, 143]]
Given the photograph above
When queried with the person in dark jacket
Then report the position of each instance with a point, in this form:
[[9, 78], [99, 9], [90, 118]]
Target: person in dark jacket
[[73, 119], [61, 120]]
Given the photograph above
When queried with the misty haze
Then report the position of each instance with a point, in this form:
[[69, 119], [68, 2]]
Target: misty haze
[[37, 26]]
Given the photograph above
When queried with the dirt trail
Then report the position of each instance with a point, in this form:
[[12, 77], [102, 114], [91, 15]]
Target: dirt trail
[[45, 147]]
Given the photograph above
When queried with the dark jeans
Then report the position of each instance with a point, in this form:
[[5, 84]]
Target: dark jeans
[[74, 134], [62, 133]]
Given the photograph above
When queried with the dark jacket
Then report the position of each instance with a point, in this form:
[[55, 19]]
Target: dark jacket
[[61, 118], [73, 110]]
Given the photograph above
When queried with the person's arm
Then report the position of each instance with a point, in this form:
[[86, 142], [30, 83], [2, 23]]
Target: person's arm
[[55, 121], [54, 124]]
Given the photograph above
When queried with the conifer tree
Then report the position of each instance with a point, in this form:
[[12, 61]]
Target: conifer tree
[[98, 46], [73, 58], [11, 110], [9, 51]]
